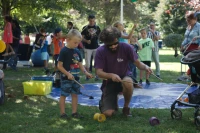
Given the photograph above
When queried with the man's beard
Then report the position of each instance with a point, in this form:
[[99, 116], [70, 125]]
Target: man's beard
[[114, 50]]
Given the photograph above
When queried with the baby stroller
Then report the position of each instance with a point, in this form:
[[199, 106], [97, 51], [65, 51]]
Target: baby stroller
[[192, 59]]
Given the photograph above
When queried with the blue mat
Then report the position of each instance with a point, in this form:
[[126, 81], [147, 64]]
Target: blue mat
[[156, 95]]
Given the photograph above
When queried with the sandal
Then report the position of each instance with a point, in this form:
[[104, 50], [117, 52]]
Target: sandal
[[6, 54], [13, 52]]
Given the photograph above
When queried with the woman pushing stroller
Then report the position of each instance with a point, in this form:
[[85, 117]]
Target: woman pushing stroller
[[192, 33]]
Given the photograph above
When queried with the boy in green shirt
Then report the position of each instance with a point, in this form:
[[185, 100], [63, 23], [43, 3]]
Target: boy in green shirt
[[145, 54]]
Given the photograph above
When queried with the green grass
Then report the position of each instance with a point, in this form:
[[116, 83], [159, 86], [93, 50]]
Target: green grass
[[39, 114]]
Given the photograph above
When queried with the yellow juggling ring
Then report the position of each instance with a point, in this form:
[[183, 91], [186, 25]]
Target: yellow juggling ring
[[2, 46]]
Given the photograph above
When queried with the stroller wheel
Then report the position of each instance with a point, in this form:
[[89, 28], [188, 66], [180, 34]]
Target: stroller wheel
[[176, 114]]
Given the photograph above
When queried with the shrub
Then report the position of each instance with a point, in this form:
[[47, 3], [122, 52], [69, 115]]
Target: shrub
[[174, 41]]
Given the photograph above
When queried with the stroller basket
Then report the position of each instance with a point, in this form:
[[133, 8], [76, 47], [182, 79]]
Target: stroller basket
[[194, 97]]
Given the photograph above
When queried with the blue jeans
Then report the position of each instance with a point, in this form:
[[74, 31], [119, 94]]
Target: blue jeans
[[133, 70]]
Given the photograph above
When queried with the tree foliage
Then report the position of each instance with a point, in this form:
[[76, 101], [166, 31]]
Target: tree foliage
[[173, 17]]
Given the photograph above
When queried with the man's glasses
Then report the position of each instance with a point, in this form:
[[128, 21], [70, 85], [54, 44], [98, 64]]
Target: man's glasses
[[110, 45]]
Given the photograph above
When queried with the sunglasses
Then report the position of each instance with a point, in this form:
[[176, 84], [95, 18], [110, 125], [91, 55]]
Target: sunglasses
[[110, 45]]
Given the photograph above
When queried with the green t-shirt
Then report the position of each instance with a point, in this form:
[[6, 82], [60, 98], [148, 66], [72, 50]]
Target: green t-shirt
[[145, 53]]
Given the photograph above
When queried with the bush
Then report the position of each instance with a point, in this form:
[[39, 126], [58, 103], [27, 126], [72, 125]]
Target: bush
[[174, 41]]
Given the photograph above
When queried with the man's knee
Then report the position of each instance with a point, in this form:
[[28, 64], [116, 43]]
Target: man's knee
[[108, 113], [128, 83]]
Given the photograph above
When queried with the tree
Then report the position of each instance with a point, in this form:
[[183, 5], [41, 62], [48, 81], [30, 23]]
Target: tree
[[32, 12], [173, 18]]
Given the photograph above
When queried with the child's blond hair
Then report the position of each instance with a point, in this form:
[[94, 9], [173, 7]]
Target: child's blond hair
[[117, 23], [143, 29], [74, 33]]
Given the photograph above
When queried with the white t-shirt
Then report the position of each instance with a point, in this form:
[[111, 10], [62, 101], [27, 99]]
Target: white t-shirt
[[49, 39]]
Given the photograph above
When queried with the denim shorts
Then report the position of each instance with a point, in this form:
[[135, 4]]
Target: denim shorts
[[44, 55], [69, 87]]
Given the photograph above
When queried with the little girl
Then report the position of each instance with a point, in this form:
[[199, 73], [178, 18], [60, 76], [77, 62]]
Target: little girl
[[8, 36], [124, 37]]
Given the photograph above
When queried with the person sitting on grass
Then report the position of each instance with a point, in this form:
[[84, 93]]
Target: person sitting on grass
[[70, 64], [112, 64], [145, 54]]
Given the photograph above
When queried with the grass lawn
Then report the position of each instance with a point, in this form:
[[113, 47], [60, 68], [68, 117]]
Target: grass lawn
[[38, 114]]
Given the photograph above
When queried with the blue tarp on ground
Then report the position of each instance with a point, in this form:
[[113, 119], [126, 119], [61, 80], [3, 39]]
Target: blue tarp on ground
[[157, 95]]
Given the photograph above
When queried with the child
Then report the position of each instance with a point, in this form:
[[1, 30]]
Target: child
[[58, 44], [135, 44], [8, 36], [44, 53], [124, 37], [70, 64], [145, 54]]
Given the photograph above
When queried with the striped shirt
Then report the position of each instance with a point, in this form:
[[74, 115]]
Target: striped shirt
[[151, 35]]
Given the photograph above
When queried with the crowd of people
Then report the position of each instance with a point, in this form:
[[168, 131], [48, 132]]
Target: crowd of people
[[114, 62]]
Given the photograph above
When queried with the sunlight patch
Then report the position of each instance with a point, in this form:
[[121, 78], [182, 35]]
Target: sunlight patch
[[18, 101], [78, 127]]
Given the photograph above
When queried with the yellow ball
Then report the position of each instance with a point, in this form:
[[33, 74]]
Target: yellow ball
[[96, 115], [2, 46], [101, 118]]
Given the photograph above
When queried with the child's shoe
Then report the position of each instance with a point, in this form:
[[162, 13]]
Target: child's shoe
[[126, 111], [147, 82], [77, 116], [96, 78], [140, 82], [86, 78], [64, 116]]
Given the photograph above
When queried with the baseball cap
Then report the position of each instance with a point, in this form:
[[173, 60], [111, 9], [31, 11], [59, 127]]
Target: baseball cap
[[57, 30]]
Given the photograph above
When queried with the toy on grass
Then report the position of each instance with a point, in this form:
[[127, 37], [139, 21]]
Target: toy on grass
[[2, 46], [99, 117], [154, 121]]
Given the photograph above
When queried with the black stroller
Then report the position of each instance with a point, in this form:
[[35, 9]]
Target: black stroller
[[192, 59]]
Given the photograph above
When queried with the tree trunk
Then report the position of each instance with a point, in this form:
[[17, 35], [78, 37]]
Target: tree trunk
[[6, 7], [176, 52]]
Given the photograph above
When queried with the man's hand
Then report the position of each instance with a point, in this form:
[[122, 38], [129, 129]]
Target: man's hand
[[89, 75], [148, 69], [116, 78], [88, 42]]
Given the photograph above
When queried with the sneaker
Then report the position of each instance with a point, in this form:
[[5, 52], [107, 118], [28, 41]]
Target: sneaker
[[140, 82], [86, 78], [47, 71], [96, 78], [126, 111], [147, 82], [77, 116], [64, 116], [137, 86]]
